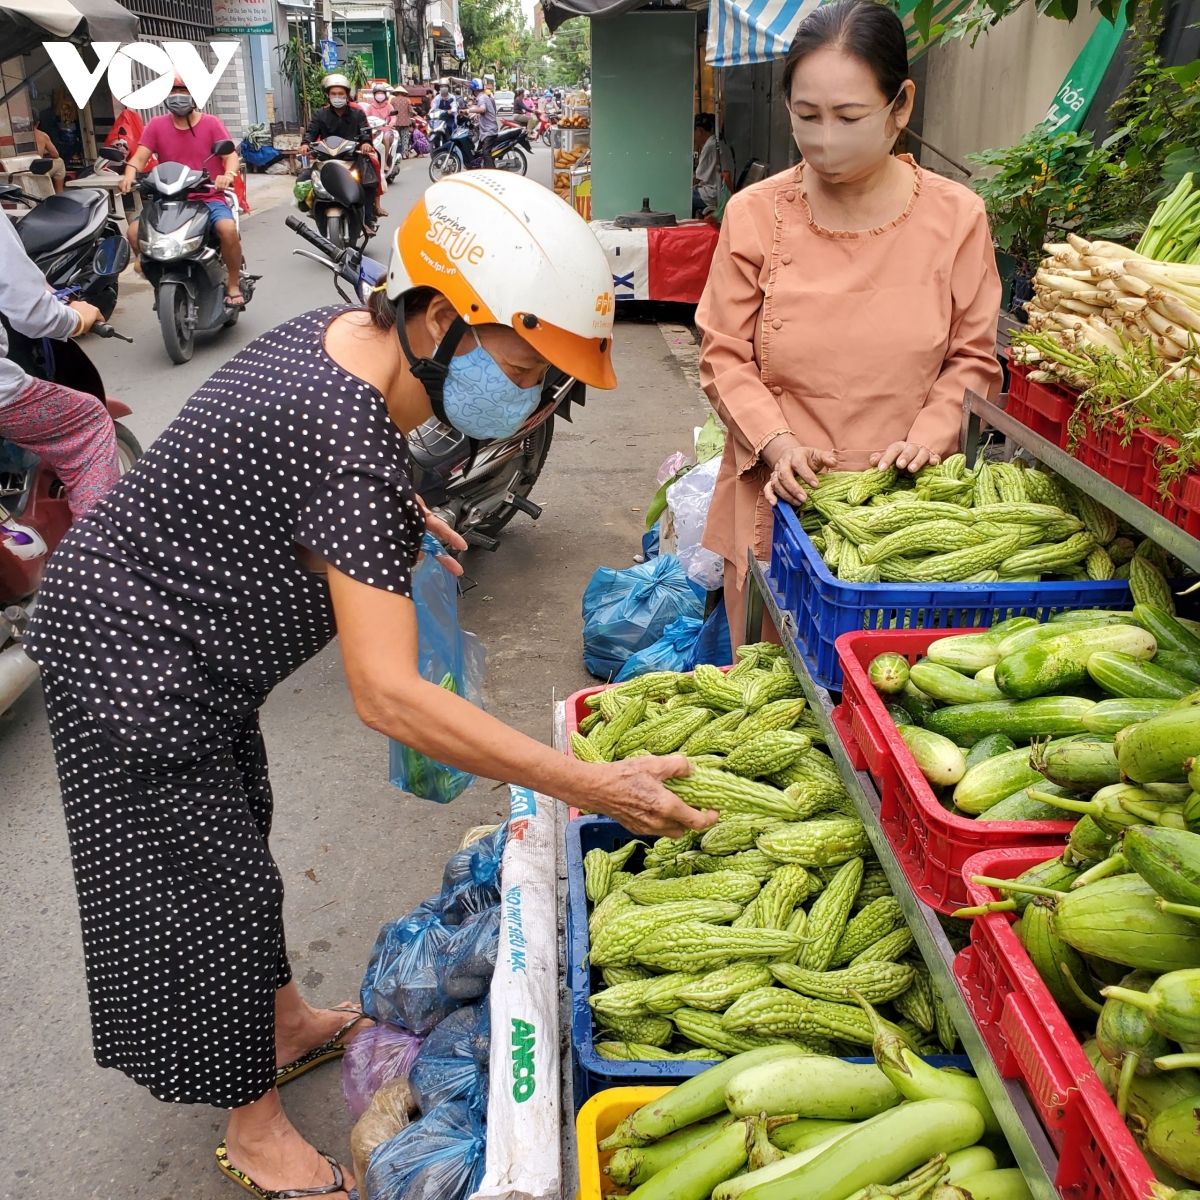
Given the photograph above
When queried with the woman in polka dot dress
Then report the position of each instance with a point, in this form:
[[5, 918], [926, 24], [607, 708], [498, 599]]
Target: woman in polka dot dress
[[274, 509]]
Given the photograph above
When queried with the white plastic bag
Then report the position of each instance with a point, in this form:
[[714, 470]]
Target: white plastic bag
[[523, 1148], [688, 499]]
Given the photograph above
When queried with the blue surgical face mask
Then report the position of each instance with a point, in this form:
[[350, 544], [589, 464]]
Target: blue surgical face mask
[[481, 401]]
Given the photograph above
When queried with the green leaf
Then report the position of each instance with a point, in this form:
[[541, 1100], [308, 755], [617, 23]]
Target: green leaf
[[710, 441]]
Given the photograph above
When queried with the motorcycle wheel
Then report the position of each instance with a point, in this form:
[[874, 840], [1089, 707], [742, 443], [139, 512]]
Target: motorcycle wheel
[[545, 138], [178, 336], [335, 231], [443, 163], [129, 449], [529, 465], [513, 160]]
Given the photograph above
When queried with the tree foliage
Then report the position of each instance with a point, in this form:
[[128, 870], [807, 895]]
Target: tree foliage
[[497, 39]]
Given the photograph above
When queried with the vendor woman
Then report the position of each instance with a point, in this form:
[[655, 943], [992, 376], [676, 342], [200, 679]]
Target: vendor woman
[[852, 299], [275, 508]]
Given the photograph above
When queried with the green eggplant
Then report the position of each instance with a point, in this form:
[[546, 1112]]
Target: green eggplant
[[1174, 1136], [1127, 1037], [1167, 859], [1172, 1003]]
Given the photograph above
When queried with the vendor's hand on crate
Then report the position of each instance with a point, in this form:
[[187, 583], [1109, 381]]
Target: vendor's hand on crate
[[631, 792]]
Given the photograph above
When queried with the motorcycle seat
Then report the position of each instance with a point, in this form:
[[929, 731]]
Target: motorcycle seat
[[58, 221]]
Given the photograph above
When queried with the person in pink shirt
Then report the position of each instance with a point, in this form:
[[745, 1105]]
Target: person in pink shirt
[[186, 135], [380, 105]]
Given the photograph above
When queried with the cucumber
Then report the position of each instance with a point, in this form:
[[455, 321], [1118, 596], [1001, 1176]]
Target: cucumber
[[1155, 750], [1019, 806], [1081, 765], [1024, 638], [987, 675], [964, 651], [939, 759], [888, 673], [989, 747], [1121, 675], [965, 724], [1109, 717], [917, 704], [993, 780], [1061, 662], [949, 686], [1167, 631], [1098, 616], [899, 714], [1182, 664]]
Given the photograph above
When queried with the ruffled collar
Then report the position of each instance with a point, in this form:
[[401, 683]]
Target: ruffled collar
[[856, 234]]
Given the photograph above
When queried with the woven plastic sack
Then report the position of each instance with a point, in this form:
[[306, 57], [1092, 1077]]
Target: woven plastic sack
[[448, 657], [401, 981], [439, 1157], [626, 611], [374, 1057]]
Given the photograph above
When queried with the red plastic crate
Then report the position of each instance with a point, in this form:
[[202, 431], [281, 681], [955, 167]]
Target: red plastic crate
[[931, 843], [1125, 465], [1018, 384], [1043, 408], [1030, 1040], [1181, 502]]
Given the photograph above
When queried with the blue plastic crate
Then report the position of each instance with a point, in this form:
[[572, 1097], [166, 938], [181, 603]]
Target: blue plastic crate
[[824, 607], [592, 1073]]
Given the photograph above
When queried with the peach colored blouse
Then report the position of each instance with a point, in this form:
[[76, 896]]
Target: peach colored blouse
[[850, 340]]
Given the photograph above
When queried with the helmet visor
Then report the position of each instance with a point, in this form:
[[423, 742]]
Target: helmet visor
[[588, 359]]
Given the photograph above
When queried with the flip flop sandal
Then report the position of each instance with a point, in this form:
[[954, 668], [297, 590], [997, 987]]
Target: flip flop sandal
[[235, 305], [333, 1048], [240, 1177]]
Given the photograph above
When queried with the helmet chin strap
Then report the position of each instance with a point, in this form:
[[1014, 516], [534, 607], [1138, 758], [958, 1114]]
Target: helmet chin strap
[[431, 371]]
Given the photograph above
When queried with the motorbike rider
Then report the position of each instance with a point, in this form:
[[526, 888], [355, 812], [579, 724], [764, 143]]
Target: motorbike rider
[[340, 118], [380, 106], [444, 107], [162, 765], [484, 107], [186, 135], [70, 431]]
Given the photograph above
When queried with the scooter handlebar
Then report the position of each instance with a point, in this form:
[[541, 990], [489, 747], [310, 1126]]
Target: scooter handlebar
[[311, 236], [105, 330]]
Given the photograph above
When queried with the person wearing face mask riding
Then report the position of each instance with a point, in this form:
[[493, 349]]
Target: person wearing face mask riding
[[186, 135], [340, 118], [852, 299], [381, 106], [276, 508]]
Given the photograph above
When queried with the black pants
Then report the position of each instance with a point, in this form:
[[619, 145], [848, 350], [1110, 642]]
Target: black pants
[[485, 149]]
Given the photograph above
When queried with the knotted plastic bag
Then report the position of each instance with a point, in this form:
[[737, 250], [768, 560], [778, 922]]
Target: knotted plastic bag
[[401, 981], [471, 956], [374, 1057], [628, 610], [448, 657], [453, 1061], [471, 878], [672, 651], [390, 1110], [438, 1157]]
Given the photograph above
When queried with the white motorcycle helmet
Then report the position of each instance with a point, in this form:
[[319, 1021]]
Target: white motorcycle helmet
[[505, 250]]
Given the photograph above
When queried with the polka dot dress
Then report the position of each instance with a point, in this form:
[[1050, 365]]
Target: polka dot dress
[[167, 616]]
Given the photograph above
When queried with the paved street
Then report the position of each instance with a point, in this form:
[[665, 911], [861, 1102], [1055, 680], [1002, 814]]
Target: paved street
[[354, 851]]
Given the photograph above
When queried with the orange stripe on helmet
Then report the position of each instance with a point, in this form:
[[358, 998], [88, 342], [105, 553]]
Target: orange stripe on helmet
[[588, 359], [432, 251]]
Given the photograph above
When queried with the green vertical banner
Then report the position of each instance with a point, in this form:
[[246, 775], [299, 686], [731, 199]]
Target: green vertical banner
[[1071, 102]]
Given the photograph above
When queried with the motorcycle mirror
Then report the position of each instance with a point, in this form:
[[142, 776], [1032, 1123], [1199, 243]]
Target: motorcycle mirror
[[41, 166], [223, 147], [110, 154], [112, 256]]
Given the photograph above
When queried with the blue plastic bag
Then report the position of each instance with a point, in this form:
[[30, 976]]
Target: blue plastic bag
[[471, 956], [672, 652], [401, 984], [453, 1061], [448, 657], [470, 879], [438, 1157], [626, 611], [713, 646]]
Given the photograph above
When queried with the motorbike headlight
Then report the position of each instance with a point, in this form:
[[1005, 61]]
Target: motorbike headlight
[[170, 245]]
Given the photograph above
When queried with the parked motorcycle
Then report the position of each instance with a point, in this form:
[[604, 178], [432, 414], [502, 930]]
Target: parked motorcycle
[[61, 234], [389, 154], [181, 257], [476, 487], [340, 204], [459, 151], [34, 514]]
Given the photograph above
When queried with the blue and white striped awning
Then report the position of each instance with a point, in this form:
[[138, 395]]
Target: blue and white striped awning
[[743, 32]]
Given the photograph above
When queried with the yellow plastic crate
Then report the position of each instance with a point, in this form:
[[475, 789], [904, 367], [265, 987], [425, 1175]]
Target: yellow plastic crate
[[595, 1121]]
